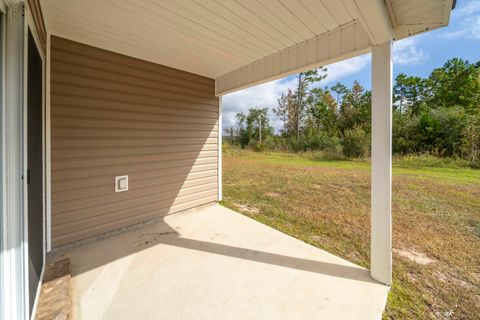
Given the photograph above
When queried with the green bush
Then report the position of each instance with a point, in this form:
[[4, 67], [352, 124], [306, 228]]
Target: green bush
[[259, 146], [356, 143], [429, 160], [471, 140], [323, 142]]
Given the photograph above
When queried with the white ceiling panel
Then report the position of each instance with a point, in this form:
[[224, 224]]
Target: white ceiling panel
[[216, 37]]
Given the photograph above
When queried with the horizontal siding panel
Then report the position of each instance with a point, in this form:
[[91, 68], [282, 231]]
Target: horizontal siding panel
[[59, 89], [67, 121], [115, 115], [64, 176], [63, 132], [108, 56], [73, 73], [97, 152], [89, 89], [133, 86], [87, 216], [91, 162], [111, 202], [73, 111], [71, 142], [79, 189], [149, 212], [74, 59], [171, 108]]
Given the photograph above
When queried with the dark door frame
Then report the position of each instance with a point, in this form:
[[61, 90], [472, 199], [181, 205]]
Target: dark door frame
[[29, 26]]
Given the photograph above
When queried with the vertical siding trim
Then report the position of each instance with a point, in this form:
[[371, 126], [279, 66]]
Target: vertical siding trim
[[48, 148], [39, 21]]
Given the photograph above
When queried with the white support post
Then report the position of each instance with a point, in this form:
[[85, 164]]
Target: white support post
[[381, 192], [219, 169]]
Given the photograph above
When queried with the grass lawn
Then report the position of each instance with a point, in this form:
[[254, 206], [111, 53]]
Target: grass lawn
[[436, 222]]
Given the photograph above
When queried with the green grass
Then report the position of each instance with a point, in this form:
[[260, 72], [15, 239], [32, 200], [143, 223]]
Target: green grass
[[436, 213], [445, 170]]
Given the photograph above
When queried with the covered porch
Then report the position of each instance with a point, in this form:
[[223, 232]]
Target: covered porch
[[214, 263], [112, 117]]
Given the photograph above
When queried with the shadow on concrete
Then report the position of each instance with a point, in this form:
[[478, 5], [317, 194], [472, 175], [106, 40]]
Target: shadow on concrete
[[99, 252], [331, 269]]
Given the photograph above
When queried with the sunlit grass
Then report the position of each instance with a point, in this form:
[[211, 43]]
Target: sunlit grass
[[453, 171]]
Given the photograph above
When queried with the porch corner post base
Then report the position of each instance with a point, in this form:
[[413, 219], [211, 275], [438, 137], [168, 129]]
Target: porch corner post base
[[381, 174]]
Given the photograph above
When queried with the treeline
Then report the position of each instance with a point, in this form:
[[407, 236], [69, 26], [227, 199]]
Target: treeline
[[438, 115]]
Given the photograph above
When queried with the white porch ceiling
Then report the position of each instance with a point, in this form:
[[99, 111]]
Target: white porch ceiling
[[221, 39]]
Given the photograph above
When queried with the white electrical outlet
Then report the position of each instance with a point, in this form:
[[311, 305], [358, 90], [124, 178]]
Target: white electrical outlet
[[121, 183]]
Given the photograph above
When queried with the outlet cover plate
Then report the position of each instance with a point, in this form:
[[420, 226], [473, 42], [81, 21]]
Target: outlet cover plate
[[121, 183]]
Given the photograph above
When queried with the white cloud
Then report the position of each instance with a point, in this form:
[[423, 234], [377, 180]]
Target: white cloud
[[342, 69], [469, 29], [263, 95], [406, 51], [465, 22], [467, 9]]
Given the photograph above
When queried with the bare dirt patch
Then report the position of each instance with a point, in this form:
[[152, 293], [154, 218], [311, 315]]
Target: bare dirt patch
[[448, 278], [246, 208], [273, 194], [414, 256]]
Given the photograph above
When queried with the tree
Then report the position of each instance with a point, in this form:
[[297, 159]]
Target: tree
[[250, 125], [471, 140], [322, 111], [286, 110], [439, 114], [409, 93], [340, 90], [457, 83], [231, 133], [355, 110], [293, 106]]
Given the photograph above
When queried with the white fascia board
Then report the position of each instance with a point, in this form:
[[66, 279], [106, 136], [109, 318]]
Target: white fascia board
[[375, 18], [348, 41], [405, 31]]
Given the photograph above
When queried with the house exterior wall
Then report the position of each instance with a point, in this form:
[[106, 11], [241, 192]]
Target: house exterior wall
[[115, 115]]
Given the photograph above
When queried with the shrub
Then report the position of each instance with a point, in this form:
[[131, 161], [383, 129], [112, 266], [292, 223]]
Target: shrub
[[355, 143], [259, 146], [323, 142], [471, 140], [429, 160]]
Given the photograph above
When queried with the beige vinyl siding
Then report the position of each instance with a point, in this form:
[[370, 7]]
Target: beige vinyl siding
[[116, 115]]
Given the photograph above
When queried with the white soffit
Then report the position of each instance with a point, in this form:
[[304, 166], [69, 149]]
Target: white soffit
[[410, 17], [345, 42], [206, 37], [241, 42]]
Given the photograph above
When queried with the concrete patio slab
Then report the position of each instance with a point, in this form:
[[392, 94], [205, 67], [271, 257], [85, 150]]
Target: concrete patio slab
[[214, 263]]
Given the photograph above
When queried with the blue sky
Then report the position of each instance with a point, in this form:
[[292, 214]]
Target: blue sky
[[417, 55]]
